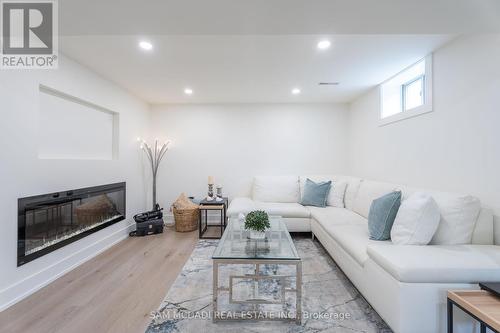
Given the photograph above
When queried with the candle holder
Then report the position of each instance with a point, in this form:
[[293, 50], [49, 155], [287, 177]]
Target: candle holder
[[211, 190], [219, 191]]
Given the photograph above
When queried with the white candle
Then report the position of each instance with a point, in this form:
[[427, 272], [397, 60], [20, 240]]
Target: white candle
[[211, 180]]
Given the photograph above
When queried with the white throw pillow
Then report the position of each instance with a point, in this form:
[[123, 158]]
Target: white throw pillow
[[276, 189], [336, 196], [459, 214], [417, 220]]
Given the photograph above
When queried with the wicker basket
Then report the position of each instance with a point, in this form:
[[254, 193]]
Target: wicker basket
[[186, 219]]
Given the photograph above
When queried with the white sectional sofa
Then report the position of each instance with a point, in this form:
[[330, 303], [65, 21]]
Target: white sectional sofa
[[405, 284]]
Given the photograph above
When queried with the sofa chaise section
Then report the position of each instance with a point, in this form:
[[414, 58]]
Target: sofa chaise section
[[405, 284], [438, 263]]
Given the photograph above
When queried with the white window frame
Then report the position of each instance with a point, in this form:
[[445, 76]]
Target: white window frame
[[420, 78], [417, 111]]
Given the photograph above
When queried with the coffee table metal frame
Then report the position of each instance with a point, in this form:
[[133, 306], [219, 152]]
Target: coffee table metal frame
[[256, 276]]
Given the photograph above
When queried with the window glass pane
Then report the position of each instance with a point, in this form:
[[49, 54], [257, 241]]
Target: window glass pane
[[414, 94], [391, 100], [413, 72], [392, 90]]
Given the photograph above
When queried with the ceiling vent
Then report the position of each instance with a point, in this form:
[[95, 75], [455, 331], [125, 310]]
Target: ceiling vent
[[329, 83]]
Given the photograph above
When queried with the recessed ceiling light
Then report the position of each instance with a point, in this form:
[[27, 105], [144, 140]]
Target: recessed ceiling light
[[295, 91], [324, 44], [146, 45], [188, 91]]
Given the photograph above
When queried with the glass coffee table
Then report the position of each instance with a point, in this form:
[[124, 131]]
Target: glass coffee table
[[265, 258]]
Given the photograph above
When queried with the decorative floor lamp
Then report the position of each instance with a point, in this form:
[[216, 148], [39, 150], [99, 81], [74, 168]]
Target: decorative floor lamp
[[155, 154]]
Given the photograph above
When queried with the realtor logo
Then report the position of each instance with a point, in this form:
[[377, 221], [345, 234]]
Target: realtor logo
[[29, 34]]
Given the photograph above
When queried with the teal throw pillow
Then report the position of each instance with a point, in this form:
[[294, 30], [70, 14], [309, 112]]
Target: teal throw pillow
[[382, 215], [316, 194]]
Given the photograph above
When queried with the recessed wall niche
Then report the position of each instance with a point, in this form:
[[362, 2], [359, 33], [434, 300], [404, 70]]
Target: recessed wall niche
[[72, 128]]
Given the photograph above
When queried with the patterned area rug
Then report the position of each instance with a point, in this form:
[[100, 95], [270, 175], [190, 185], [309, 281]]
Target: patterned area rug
[[330, 303]]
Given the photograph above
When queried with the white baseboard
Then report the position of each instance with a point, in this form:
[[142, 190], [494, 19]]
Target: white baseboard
[[24, 288]]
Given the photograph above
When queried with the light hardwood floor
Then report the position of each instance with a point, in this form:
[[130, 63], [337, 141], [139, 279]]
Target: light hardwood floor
[[113, 292]]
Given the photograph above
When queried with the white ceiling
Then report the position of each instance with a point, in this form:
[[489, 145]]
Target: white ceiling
[[249, 68], [277, 17]]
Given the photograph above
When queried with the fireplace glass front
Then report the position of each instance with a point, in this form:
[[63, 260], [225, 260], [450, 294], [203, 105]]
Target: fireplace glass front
[[50, 221]]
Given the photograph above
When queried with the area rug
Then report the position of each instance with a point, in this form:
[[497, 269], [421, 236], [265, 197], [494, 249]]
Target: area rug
[[330, 302]]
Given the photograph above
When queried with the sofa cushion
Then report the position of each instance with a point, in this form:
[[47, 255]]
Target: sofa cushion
[[335, 215], [283, 209], [417, 220], [351, 190], [337, 194], [316, 194], [276, 189], [297, 224], [458, 217], [483, 230], [369, 191], [240, 205], [352, 238], [438, 263], [383, 211]]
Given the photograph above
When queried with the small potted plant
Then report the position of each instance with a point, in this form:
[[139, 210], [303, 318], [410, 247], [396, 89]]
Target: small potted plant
[[257, 222]]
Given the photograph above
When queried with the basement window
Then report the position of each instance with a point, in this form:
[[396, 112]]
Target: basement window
[[408, 93]]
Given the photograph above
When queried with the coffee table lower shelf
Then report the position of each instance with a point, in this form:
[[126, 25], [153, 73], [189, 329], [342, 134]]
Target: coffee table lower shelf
[[256, 277]]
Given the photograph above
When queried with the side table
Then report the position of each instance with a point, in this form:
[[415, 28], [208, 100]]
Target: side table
[[479, 304], [205, 207]]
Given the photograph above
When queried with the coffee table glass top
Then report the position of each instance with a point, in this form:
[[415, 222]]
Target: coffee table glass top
[[236, 244]]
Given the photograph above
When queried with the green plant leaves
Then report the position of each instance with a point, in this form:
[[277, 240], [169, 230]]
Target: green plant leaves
[[257, 220]]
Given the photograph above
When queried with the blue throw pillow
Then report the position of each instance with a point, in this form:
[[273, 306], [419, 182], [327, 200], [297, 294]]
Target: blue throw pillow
[[316, 194], [382, 215]]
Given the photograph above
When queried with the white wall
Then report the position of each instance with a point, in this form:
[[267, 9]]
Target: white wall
[[22, 173], [454, 148], [58, 114], [235, 142]]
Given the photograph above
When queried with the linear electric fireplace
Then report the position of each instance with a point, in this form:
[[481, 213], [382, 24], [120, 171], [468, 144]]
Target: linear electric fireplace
[[49, 221]]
